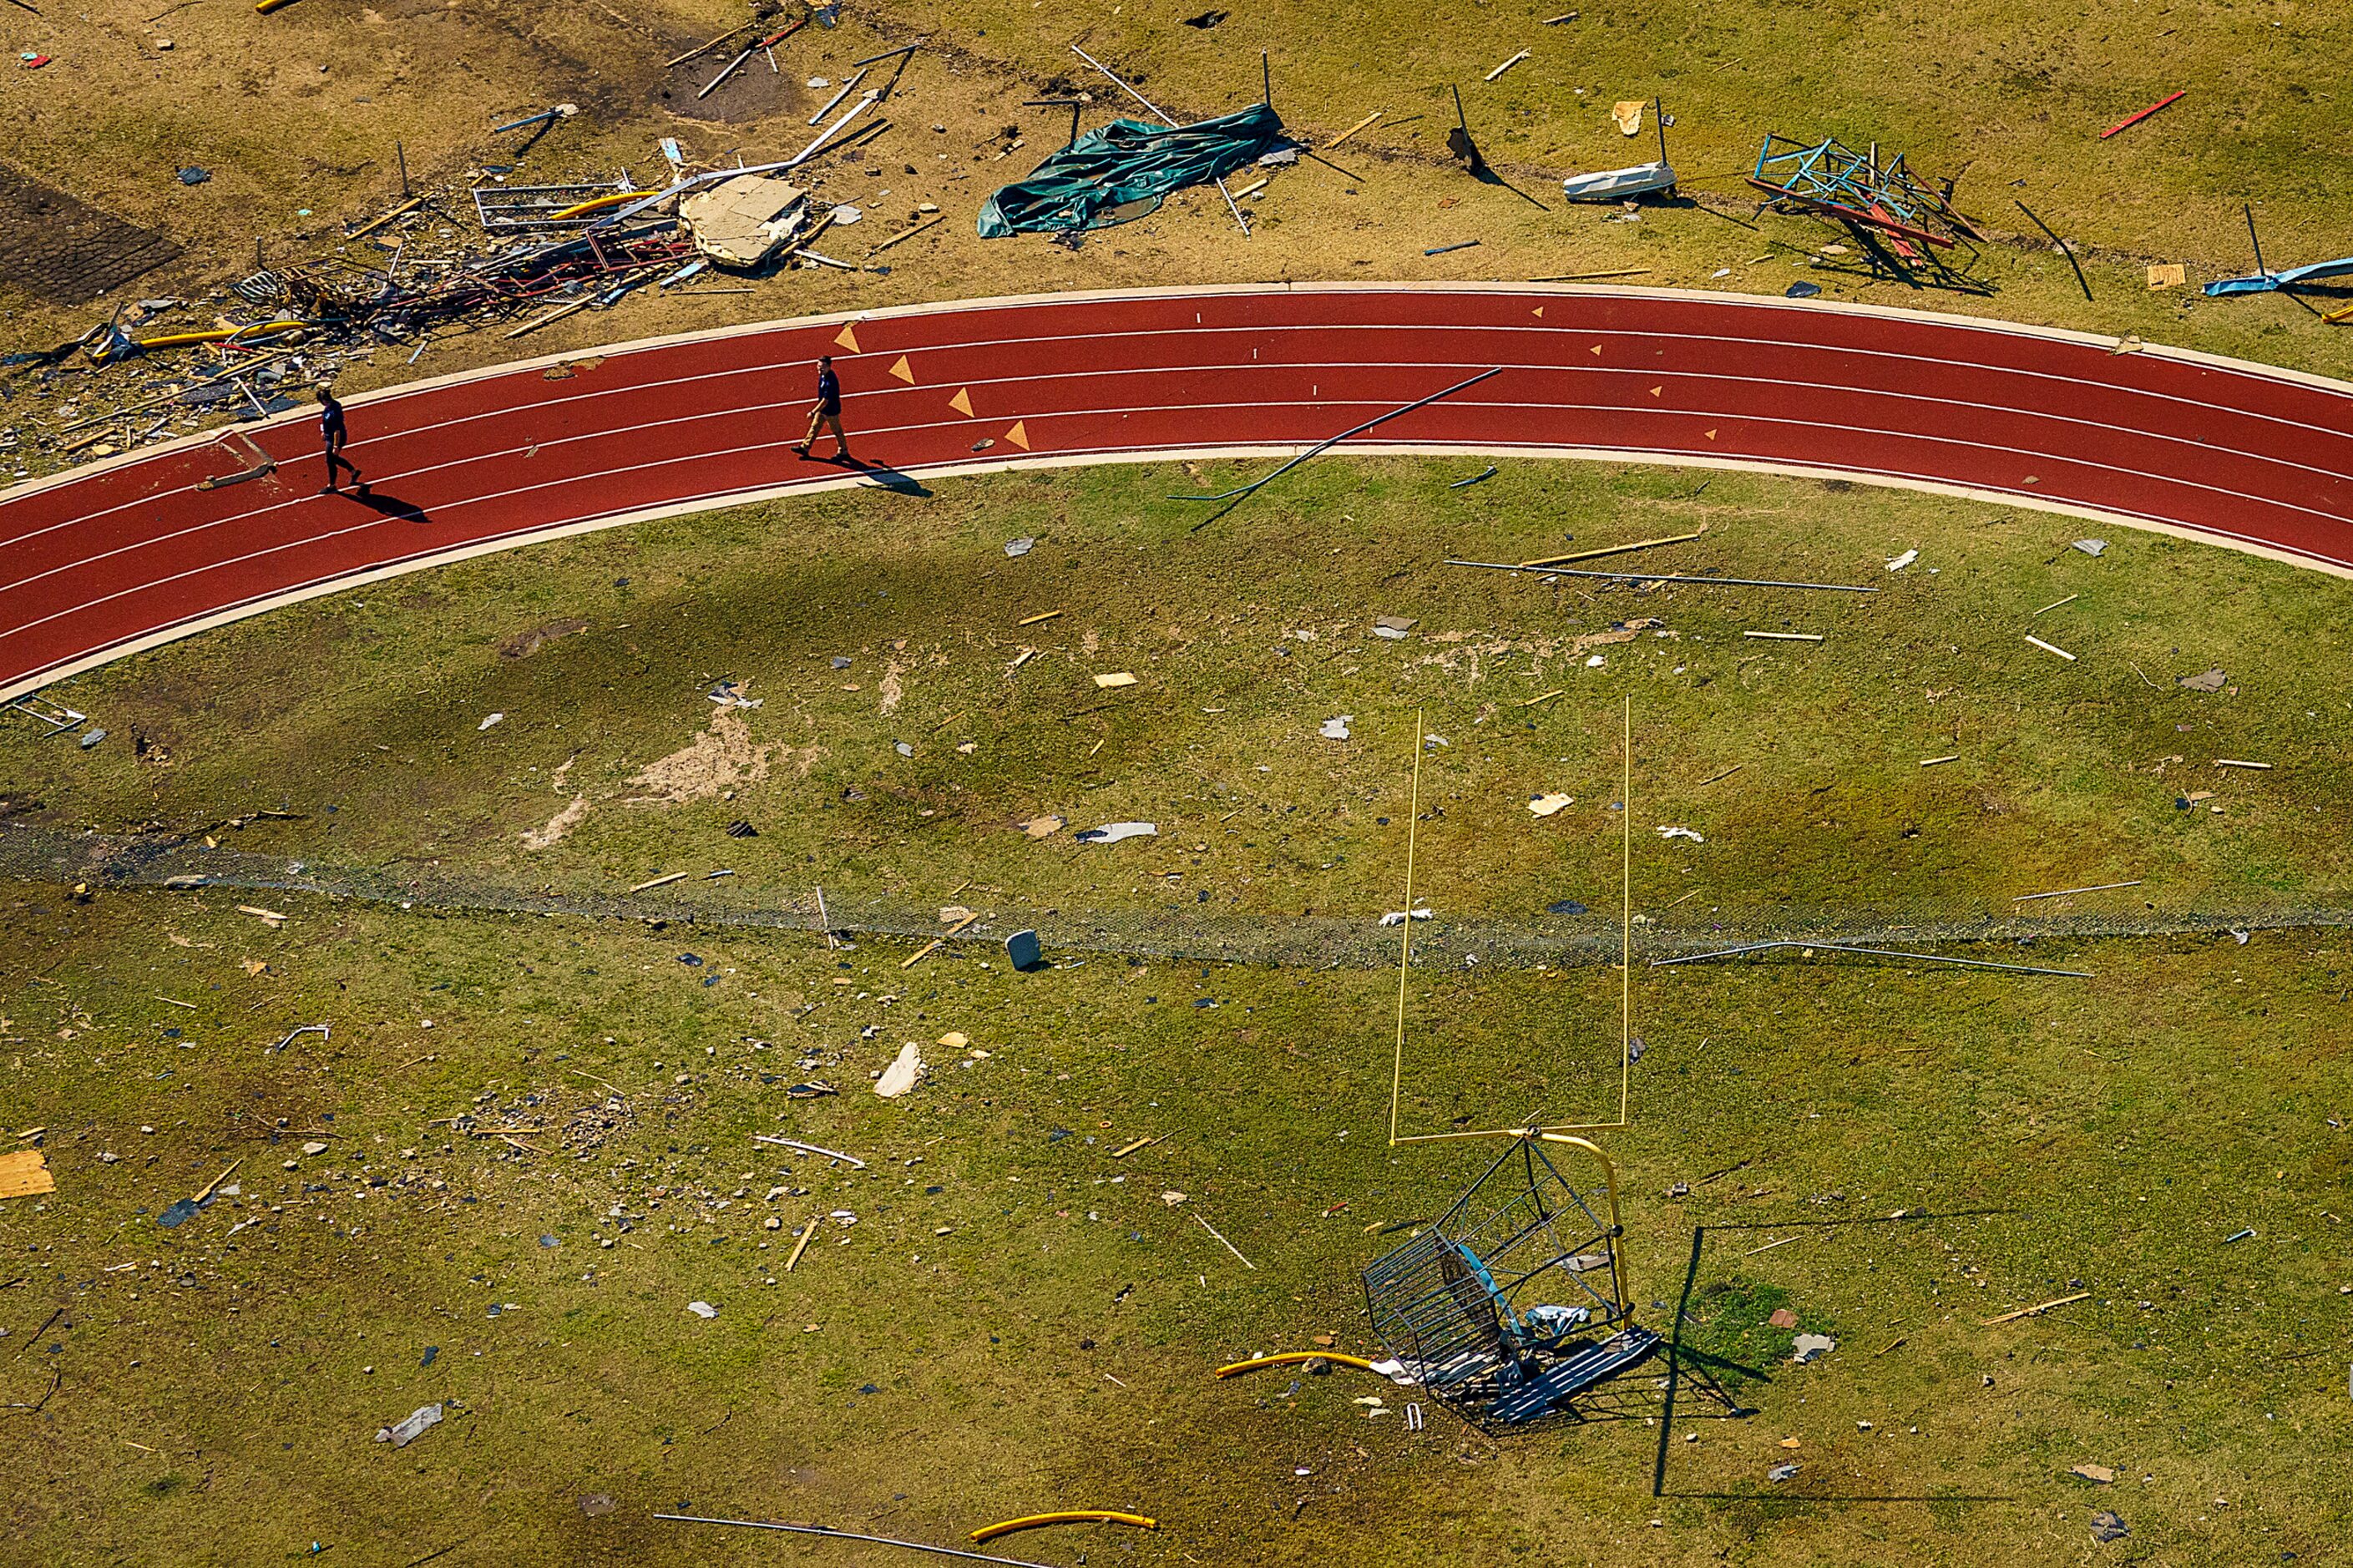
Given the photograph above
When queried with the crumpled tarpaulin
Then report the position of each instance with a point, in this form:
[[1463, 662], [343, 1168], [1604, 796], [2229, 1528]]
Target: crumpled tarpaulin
[[1125, 170]]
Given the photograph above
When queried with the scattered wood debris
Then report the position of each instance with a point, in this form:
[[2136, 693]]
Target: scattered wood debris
[[2037, 1310], [25, 1174]]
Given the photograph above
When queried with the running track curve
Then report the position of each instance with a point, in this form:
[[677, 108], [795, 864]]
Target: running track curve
[[129, 553]]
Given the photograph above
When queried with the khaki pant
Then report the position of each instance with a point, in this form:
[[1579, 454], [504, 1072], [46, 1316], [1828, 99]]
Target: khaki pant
[[818, 417]]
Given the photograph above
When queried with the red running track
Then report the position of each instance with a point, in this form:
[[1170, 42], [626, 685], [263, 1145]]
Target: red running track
[[129, 553]]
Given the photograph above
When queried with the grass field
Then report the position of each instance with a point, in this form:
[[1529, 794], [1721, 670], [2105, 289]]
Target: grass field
[[534, 1136], [535, 1183]]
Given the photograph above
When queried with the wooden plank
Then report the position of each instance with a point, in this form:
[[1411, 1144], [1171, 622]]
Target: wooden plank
[[808, 1231], [403, 210], [908, 234], [936, 943], [1613, 550], [24, 1175], [2034, 1310]]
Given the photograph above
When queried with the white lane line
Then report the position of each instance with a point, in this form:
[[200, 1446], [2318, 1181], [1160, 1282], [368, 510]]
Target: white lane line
[[1941, 404], [1358, 295], [705, 457], [100, 653], [1037, 342], [1905, 361]]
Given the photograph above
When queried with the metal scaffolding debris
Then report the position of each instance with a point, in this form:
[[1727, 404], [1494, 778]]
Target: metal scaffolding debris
[[1904, 225]]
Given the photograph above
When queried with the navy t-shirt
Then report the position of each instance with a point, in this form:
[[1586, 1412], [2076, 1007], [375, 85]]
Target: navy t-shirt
[[828, 390]]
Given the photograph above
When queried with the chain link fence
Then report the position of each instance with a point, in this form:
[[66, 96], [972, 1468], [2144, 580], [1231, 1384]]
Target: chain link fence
[[174, 862]]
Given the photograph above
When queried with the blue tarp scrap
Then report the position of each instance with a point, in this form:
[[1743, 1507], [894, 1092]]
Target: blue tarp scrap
[[1125, 170], [2263, 283]]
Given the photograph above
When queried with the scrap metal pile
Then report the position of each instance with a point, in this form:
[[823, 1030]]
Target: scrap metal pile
[[569, 246], [1903, 225], [402, 302], [472, 255], [474, 252]]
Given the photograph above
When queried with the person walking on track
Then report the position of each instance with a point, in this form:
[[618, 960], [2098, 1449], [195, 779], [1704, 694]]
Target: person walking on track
[[827, 411], [332, 436]]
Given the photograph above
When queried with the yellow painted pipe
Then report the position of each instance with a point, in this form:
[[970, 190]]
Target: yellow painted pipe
[[1290, 1358], [267, 7], [1617, 1226], [600, 204], [209, 335], [219, 335], [1068, 1516]]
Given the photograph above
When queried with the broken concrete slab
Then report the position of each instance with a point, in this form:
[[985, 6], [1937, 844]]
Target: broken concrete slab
[[743, 221]]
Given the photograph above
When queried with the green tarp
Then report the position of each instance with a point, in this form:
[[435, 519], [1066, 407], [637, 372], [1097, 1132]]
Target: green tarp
[[1125, 170]]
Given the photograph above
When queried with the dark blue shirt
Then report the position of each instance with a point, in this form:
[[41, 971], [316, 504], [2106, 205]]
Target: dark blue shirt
[[828, 390], [331, 421]]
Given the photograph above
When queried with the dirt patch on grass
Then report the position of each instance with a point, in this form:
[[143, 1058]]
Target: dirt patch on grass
[[523, 645], [720, 759], [754, 93], [561, 823]]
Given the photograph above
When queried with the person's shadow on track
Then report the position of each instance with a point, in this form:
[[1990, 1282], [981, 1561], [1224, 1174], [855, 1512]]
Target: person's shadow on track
[[393, 509], [884, 477]]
